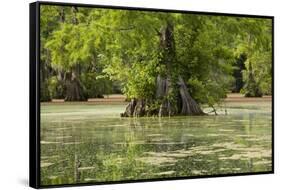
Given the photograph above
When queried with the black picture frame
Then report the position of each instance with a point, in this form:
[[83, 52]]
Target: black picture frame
[[34, 91]]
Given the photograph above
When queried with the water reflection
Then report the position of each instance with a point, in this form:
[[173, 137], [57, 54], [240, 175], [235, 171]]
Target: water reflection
[[92, 143]]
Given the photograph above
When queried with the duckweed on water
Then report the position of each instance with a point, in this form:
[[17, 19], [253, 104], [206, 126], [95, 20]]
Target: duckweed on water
[[90, 143]]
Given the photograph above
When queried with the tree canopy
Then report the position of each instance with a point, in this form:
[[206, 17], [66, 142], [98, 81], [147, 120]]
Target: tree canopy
[[85, 52]]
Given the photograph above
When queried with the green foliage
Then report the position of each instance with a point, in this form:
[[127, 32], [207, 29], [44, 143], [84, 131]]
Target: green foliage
[[251, 88], [238, 66], [44, 93], [211, 92], [255, 40], [106, 47], [96, 88], [55, 88], [262, 71], [205, 57], [67, 46]]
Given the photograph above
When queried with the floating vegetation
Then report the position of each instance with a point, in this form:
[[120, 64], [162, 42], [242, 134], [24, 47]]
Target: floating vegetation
[[226, 130], [154, 135], [89, 179], [108, 148], [263, 162], [166, 173], [71, 143], [86, 168], [49, 142], [230, 169], [198, 172], [230, 146], [49, 157], [156, 160], [63, 137], [213, 135], [53, 177], [45, 164], [248, 154]]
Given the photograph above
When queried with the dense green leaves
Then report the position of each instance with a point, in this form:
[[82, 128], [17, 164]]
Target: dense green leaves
[[104, 46]]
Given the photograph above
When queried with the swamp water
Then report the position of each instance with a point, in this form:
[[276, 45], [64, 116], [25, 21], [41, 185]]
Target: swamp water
[[91, 143]]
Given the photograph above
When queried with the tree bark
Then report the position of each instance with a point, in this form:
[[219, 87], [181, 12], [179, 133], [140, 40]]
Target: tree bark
[[188, 105], [129, 111], [252, 88], [74, 90], [171, 92]]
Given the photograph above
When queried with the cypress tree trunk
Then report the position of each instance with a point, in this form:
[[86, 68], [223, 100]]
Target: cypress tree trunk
[[237, 74], [44, 91], [251, 87], [45, 73], [187, 104], [74, 89], [171, 91]]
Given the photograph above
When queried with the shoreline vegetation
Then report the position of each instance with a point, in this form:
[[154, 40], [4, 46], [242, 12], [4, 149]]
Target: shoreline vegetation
[[166, 64], [221, 108], [121, 99]]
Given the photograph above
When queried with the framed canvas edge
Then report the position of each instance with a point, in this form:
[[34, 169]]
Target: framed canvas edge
[[34, 93], [34, 96]]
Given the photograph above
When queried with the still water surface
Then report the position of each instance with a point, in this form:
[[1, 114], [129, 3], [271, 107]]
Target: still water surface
[[91, 143]]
